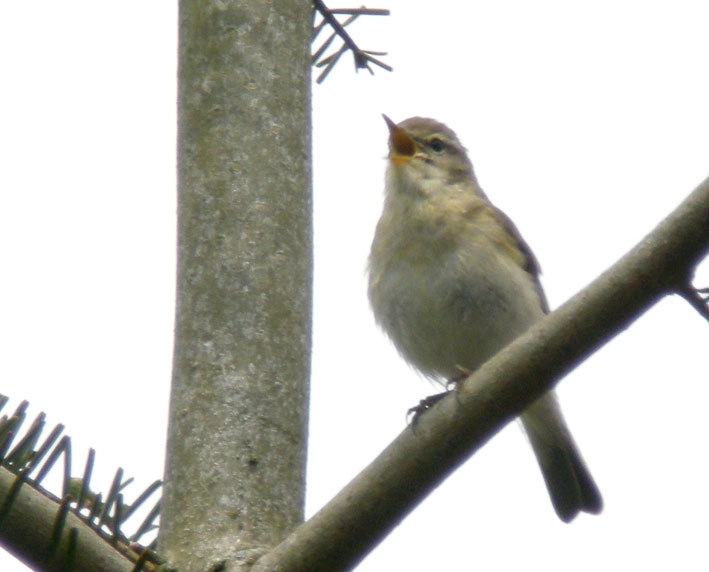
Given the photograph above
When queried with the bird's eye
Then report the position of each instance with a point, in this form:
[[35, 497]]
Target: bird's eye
[[437, 145]]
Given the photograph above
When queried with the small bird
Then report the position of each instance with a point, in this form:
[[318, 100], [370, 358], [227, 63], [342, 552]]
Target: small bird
[[452, 282]]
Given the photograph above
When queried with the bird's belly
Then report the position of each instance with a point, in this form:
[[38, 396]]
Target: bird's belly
[[441, 325]]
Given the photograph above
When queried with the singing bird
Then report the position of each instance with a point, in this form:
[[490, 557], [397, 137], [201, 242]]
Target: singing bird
[[452, 282]]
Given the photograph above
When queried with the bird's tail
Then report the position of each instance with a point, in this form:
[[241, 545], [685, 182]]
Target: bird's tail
[[570, 484]]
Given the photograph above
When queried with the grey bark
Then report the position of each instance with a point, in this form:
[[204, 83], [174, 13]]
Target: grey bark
[[238, 413]]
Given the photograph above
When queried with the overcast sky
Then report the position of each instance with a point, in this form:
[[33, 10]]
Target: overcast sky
[[586, 122]]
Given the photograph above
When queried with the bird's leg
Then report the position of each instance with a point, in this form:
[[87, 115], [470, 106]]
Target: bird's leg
[[454, 382]]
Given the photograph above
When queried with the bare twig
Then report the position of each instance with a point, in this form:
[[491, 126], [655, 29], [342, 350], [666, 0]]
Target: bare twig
[[362, 58]]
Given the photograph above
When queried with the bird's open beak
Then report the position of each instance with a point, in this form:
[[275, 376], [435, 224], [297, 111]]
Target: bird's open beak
[[402, 147]]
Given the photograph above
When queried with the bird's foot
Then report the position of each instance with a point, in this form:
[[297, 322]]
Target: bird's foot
[[413, 413]]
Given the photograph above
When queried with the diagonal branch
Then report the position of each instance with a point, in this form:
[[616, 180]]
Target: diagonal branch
[[375, 501], [66, 533], [31, 530]]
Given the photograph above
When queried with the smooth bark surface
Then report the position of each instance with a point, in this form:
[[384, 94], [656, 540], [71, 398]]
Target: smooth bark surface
[[238, 414]]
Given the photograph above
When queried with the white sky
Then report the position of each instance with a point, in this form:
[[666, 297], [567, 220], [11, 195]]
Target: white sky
[[586, 122]]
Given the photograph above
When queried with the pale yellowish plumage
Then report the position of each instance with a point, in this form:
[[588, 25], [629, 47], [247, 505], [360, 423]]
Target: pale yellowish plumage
[[452, 282]]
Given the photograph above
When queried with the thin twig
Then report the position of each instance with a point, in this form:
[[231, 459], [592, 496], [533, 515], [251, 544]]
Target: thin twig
[[361, 11], [362, 58], [698, 298]]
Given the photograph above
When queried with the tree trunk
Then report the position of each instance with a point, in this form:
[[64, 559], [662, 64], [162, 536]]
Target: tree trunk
[[238, 414]]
